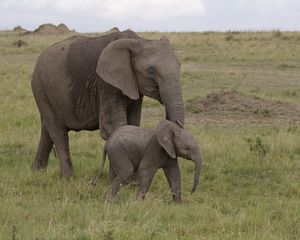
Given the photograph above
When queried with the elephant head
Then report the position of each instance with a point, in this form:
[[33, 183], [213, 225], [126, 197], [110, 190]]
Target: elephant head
[[178, 142], [144, 67]]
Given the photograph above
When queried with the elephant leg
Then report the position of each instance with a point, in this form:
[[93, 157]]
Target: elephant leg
[[145, 176], [44, 149], [112, 175], [172, 174], [60, 137], [134, 113]]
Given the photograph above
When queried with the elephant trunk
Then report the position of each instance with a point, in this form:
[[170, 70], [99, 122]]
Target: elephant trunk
[[171, 97], [198, 166]]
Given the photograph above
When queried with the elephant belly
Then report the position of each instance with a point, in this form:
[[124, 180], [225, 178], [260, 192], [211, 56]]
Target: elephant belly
[[73, 118], [89, 124]]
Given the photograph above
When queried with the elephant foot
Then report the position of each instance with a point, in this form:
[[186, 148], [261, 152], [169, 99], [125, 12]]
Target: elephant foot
[[38, 165], [177, 199], [178, 202], [67, 174], [66, 169]]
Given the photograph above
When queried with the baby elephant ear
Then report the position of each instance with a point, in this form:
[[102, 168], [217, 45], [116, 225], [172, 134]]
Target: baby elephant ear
[[165, 137]]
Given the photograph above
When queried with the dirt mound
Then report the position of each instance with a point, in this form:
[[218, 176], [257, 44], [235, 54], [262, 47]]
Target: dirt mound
[[114, 29], [50, 28], [63, 28], [19, 29], [233, 107]]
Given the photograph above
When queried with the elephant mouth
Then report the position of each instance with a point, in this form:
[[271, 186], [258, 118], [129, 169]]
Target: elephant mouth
[[154, 93]]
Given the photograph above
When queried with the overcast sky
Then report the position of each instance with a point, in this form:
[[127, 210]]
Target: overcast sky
[[147, 15]]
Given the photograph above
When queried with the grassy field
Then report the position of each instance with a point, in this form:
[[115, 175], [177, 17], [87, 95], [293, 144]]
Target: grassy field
[[250, 184]]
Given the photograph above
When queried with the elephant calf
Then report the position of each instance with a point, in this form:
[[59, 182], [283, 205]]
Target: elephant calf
[[132, 149]]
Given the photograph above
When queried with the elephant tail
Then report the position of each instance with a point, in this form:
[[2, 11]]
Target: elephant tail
[[103, 162], [98, 177], [54, 152]]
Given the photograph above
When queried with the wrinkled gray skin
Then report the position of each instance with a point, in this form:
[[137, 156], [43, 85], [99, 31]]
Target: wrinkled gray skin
[[132, 149], [85, 83]]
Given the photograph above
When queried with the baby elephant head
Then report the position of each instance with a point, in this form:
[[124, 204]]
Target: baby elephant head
[[178, 142]]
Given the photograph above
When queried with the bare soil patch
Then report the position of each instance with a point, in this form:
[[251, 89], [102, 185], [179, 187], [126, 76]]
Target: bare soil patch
[[230, 107]]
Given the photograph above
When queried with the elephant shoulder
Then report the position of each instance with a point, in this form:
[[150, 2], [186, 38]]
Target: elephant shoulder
[[57, 52]]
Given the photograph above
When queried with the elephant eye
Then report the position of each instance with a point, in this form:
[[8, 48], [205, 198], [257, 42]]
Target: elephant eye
[[151, 70]]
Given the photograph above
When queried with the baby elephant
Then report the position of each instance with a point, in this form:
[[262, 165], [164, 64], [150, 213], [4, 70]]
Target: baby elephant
[[132, 149]]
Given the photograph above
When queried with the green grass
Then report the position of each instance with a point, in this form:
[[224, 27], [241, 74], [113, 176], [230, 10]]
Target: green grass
[[242, 195]]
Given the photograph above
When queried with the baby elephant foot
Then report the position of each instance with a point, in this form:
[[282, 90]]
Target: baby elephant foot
[[134, 180], [110, 198], [96, 180], [141, 195], [111, 195]]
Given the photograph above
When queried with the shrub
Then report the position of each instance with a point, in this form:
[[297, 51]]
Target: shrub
[[20, 43], [229, 37], [258, 147], [277, 34]]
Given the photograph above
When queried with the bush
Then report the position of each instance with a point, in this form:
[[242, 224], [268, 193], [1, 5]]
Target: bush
[[258, 147], [20, 43], [229, 37], [277, 34]]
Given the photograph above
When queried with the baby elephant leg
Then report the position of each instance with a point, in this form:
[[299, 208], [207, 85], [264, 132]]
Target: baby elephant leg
[[120, 172], [145, 176], [172, 173], [134, 179]]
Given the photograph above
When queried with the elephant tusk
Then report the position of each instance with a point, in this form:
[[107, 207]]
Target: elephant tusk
[[179, 124]]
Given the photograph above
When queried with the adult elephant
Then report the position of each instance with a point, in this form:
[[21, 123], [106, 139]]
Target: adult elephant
[[85, 83]]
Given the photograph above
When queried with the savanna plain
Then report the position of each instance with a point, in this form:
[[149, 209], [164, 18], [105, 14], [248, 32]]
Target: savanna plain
[[242, 100]]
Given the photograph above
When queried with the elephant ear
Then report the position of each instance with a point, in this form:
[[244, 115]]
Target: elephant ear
[[114, 67], [165, 137]]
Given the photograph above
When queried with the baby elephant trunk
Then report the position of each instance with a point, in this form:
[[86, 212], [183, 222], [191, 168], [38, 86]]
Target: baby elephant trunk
[[198, 166]]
